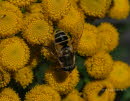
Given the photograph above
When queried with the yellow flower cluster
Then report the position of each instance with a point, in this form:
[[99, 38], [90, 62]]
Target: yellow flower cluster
[[37, 30], [119, 76], [14, 53], [73, 22], [99, 91], [100, 65], [42, 93], [56, 9], [27, 30], [89, 42], [109, 36], [62, 82], [8, 94], [96, 8], [10, 19], [24, 76], [120, 9]]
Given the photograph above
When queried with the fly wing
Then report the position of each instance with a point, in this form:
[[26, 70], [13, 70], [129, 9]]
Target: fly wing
[[51, 48], [75, 37]]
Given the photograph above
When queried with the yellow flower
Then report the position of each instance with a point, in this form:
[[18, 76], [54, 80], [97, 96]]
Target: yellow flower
[[21, 3], [89, 42], [4, 5], [8, 94], [119, 76], [37, 30], [10, 20], [120, 9], [4, 78], [56, 9], [42, 93], [109, 36], [73, 96], [35, 8], [99, 91], [96, 8], [99, 66], [24, 76], [14, 53], [61, 81], [73, 22]]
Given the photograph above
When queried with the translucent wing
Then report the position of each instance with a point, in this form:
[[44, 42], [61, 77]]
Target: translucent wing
[[77, 35]]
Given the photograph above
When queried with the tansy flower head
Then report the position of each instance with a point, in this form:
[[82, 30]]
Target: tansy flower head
[[37, 30], [56, 9], [4, 78], [42, 93], [120, 9], [73, 22], [99, 91], [73, 96], [99, 65], [21, 3], [24, 76], [8, 94], [14, 53], [35, 8], [4, 5], [63, 82], [119, 76], [96, 8], [89, 42], [11, 20], [109, 36]]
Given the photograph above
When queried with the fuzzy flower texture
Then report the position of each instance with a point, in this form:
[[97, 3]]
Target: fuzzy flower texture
[[27, 29]]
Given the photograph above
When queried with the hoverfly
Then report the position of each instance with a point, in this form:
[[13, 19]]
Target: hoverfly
[[64, 47]]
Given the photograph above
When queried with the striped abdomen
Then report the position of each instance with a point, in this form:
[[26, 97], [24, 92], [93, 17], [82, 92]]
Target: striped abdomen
[[61, 38]]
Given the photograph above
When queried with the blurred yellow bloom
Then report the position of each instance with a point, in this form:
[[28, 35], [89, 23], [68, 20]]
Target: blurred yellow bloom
[[99, 91], [73, 96], [4, 5], [73, 22], [8, 94], [35, 8], [99, 65], [61, 81], [14, 53], [119, 76], [4, 78], [42, 93], [10, 19], [21, 3], [56, 9], [24, 76], [120, 9], [109, 36], [96, 8], [89, 42], [37, 30]]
